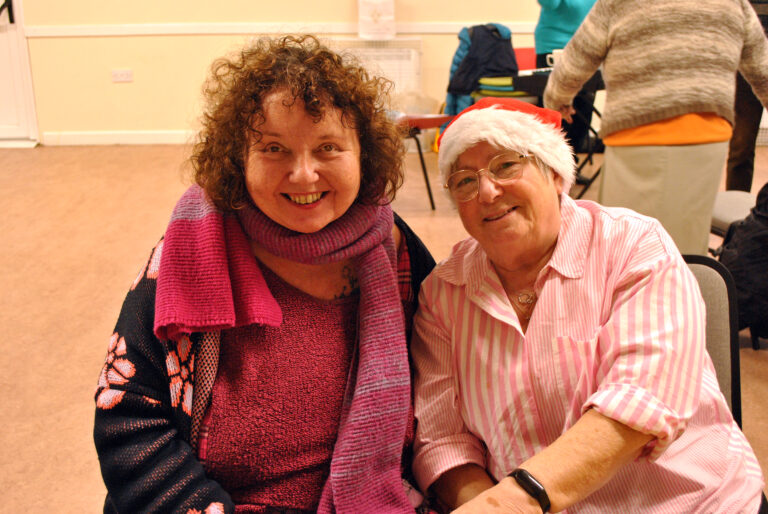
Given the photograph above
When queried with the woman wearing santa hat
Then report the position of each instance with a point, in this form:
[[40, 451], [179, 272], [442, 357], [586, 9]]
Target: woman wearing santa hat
[[560, 358]]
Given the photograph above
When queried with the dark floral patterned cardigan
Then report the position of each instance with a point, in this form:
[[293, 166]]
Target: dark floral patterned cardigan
[[152, 394]]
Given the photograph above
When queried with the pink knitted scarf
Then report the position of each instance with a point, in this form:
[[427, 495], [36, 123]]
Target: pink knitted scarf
[[208, 280]]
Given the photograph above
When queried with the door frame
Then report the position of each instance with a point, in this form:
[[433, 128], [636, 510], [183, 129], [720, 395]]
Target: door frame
[[29, 135]]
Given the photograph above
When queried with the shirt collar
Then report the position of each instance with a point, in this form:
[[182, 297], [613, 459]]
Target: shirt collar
[[467, 265], [570, 255]]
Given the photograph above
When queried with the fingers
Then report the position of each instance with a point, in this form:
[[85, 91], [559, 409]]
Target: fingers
[[567, 112]]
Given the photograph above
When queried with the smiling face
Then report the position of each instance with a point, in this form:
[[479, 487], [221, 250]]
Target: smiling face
[[302, 173], [516, 223]]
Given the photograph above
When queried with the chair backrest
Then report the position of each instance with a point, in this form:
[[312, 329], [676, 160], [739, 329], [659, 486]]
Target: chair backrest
[[719, 293]]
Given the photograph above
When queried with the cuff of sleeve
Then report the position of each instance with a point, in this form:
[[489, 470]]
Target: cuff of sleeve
[[555, 97], [434, 459], [638, 409]]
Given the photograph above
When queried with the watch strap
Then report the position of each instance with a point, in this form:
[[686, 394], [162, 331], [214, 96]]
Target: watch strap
[[533, 487]]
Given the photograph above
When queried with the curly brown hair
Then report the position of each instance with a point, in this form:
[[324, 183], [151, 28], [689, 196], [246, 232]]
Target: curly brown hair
[[311, 72]]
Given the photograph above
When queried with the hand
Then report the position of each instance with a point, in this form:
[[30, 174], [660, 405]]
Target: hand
[[505, 497], [567, 112]]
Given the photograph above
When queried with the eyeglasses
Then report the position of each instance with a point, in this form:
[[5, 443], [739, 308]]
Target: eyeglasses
[[503, 168]]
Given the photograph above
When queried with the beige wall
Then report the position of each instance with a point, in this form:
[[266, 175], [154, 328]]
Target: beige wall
[[169, 45], [56, 12]]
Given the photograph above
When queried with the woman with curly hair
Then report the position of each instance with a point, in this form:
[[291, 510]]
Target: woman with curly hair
[[260, 360]]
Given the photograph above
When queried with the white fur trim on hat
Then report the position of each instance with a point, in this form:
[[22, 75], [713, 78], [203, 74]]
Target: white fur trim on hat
[[510, 130]]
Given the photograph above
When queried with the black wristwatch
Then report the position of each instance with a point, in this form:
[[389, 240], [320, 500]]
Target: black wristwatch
[[533, 487]]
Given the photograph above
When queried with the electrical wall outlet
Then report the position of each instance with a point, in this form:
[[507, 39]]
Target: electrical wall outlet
[[122, 75]]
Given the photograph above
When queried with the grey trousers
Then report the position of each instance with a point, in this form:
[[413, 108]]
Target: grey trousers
[[675, 184]]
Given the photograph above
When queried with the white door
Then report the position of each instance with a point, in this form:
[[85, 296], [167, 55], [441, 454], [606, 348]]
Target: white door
[[17, 111]]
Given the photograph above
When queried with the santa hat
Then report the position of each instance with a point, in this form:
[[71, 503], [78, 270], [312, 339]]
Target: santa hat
[[513, 125]]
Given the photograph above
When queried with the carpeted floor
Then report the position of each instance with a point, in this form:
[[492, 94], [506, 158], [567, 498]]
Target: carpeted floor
[[77, 225]]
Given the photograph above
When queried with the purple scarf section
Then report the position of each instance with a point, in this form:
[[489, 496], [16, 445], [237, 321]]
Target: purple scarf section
[[209, 280]]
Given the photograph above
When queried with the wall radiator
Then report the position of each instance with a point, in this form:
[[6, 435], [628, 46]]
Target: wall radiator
[[397, 59]]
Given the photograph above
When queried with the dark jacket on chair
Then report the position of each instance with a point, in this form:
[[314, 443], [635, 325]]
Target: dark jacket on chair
[[490, 55], [745, 254]]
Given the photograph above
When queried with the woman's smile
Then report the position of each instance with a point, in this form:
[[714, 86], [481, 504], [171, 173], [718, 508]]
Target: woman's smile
[[305, 199], [499, 214]]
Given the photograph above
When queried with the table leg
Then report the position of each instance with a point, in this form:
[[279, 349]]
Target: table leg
[[413, 134]]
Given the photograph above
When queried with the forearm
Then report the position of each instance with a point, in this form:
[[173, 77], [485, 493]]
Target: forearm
[[578, 463], [145, 463], [141, 478], [584, 458], [459, 485], [582, 57], [755, 59], [567, 78]]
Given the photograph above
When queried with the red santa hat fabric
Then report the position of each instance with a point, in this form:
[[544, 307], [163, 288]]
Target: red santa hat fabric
[[509, 124]]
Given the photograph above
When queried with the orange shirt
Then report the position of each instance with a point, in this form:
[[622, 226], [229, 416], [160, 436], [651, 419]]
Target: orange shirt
[[686, 129]]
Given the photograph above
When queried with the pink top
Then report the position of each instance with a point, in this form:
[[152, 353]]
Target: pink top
[[619, 327], [276, 402]]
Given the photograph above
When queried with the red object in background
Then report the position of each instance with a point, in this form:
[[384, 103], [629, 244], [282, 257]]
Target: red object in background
[[526, 58]]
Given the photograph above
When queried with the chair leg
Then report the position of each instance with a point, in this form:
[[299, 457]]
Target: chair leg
[[424, 169], [582, 180], [589, 183], [755, 338]]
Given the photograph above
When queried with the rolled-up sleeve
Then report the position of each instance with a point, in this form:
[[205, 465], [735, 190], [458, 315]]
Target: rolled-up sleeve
[[652, 346], [442, 441]]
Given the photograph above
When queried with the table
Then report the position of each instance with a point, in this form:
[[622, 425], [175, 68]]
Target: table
[[414, 124], [534, 81]]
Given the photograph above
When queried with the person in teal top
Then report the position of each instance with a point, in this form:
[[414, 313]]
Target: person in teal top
[[558, 20]]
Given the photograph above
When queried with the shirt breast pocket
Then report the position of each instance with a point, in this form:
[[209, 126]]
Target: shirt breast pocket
[[577, 372]]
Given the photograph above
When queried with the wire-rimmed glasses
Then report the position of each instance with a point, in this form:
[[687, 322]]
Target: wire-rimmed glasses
[[502, 168]]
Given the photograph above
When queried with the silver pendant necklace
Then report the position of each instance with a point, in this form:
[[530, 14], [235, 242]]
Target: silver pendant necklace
[[524, 301]]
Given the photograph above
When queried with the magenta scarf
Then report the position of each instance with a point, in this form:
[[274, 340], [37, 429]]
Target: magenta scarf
[[209, 281]]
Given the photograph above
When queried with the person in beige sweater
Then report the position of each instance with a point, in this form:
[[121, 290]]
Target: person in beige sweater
[[668, 67]]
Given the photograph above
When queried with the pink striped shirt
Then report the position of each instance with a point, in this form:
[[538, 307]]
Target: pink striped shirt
[[618, 327]]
